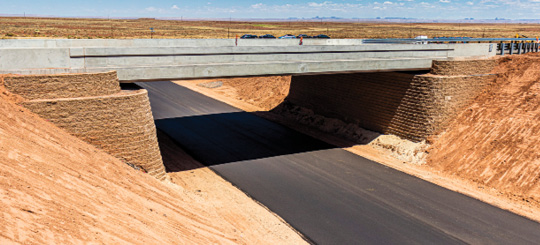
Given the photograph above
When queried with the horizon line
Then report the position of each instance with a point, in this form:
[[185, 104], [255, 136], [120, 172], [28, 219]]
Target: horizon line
[[317, 18]]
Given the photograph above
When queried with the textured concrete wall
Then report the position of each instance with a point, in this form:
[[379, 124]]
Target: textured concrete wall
[[120, 123], [63, 86], [431, 101], [404, 104], [369, 99], [462, 67]]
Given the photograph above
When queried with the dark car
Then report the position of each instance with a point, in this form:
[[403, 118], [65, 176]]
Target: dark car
[[267, 36], [321, 36], [303, 36], [247, 36]]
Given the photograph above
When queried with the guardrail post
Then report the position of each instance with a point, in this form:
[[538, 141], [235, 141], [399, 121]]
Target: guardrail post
[[519, 48], [537, 46], [511, 48], [501, 47]]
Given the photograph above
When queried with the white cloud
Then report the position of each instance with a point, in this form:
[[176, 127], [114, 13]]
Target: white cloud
[[444, 1], [470, 3], [388, 3], [324, 4], [175, 7], [315, 4], [426, 5], [257, 6]]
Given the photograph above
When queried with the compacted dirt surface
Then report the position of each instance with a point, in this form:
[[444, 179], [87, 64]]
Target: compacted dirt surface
[[56, 189], [263, 93], [496, 140]]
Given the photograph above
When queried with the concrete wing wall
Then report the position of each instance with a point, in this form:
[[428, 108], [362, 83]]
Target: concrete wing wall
[[95, 109]]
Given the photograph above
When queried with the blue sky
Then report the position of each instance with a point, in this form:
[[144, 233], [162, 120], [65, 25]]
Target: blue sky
[[422, 9]]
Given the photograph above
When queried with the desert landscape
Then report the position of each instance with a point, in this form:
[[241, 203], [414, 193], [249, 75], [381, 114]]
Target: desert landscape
[[16, 27], [57, 188]]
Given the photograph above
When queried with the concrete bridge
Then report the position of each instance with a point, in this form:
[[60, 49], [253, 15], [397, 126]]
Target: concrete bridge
[[170, 59], [302, 179]]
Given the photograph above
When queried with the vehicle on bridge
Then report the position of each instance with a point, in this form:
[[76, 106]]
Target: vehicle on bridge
[[248, 36], [267, 36], [321, 36], [303, 36], [288, 36]]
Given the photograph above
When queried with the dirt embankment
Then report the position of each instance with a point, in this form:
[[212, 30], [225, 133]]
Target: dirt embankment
[[264, 93], [57, 189], [496, 140]]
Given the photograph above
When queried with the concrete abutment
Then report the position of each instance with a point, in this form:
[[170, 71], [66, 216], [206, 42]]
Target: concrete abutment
[[94, 108], [411, 105]]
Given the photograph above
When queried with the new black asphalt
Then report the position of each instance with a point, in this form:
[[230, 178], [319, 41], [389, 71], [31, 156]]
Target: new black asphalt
[[328, 194]]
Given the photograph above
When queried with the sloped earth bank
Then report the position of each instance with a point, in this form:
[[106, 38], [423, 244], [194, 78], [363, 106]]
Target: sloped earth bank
[[496, 140], [257, 95], [57, 189]]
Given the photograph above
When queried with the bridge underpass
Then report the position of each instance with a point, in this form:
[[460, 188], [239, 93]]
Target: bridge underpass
[[328, 194]]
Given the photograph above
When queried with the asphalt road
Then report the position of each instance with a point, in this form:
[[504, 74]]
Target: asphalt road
[[328, 194]]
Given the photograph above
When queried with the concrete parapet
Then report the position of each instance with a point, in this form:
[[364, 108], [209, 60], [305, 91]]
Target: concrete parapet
[[63, 86], [120, 122]]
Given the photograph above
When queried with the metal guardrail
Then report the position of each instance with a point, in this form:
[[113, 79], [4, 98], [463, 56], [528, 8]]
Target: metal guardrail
[[504, 45]]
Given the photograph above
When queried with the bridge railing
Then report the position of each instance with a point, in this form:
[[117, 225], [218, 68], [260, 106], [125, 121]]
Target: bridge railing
[[504, 46]]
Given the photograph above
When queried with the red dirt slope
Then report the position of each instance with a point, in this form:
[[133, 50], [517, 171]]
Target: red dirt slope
[[496, 140], [56, 189]]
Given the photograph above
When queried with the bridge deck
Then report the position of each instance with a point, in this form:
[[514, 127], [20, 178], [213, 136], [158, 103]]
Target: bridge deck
[[190, 60]]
